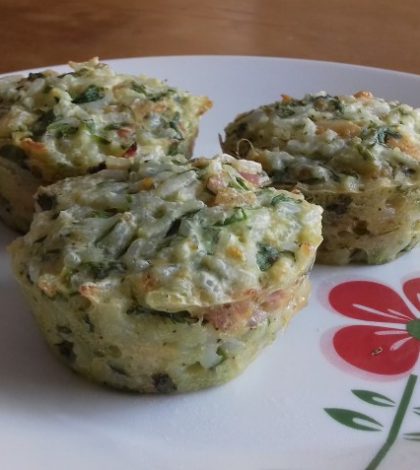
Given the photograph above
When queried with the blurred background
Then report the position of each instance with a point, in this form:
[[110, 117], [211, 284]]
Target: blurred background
[[379, 33]]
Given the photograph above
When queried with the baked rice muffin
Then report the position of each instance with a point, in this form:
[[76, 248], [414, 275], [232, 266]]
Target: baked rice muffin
[[357, 156], [171, 280], [57, 125]]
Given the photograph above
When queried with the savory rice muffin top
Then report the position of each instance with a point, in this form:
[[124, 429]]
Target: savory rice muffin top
[[340, 143], [75, 123], [174, 236]]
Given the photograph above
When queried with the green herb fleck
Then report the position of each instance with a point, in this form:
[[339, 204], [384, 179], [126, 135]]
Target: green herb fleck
[[385, 133], [62, 129], [380, 135], [163, 383], [283, 198], [174, 126], [223, 355], [118, 370], [35, 76], [328, 103], [174, 227], [104, 214], [156, 96], [102, 269], [242, 183], [210, 239], [101, 140], [266, 256], [115, 126], [89, 324], [365, 152], [89, 125], [176, 317], [238, 216], [65, 348], [41, 124], [91, 93], [285, 111], [238, 183]]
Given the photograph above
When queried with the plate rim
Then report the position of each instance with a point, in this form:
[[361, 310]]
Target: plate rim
[[397, 75], [310, 62]]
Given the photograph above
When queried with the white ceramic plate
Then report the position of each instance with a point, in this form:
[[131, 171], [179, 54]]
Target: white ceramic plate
[[301, 405]]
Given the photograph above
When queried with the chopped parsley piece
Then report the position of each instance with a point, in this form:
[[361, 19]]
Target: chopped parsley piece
[[65, 348], [242, 183], [380, 135], [176, 317], [40, 126], [71, 74], [174, 126], [285, 110], [35, 76], [115, 126], [101, 270], [328, 103], [89, 125], [238, 216], [104, 214], [222, 354], [118, 370], [173, 229], [385, 133], [156, 96], [210, 239], [140, 88], [91, 93], [89, 324], [163, 383], [364, 152], [266, 256], [62, 129], [283, 198], [238, 183], [101, 140]]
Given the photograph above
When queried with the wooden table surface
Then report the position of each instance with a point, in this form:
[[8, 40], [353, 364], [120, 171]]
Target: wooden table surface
[[380, 33]]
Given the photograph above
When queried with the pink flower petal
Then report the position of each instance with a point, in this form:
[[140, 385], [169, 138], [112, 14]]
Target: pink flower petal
[[369, 301], [371, 349], [412, 291]]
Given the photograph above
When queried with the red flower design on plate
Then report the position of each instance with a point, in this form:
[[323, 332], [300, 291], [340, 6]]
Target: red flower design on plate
[[376, 348]]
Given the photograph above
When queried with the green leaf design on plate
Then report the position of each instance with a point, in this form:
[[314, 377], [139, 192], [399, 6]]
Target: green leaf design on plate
[[412, 436], [354, 419], [373, 398]]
